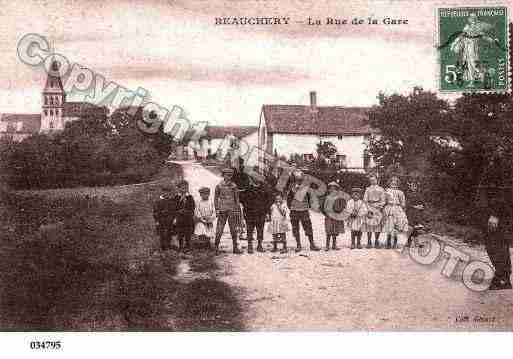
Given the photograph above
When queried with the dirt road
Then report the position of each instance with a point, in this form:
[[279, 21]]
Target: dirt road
[[351, 289]]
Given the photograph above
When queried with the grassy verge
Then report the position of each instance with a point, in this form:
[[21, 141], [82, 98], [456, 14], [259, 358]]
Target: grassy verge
[[92, 263]]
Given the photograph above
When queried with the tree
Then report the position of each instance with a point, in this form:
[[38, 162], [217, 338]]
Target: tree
[[407, 125], [326, 149]]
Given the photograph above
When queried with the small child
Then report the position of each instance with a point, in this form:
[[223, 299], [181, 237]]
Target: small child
[[357, 211], [333, 226], [279, 225], [205, 214]]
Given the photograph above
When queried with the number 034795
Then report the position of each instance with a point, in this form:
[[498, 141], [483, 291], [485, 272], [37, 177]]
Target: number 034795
[[45, 345]]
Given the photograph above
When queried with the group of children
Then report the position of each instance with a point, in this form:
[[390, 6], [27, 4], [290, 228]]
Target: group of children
[[377, 211]]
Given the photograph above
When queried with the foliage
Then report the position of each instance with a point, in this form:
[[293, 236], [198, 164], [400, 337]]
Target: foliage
[[447, 147], [92, 151], [407, 125], [326, 149]]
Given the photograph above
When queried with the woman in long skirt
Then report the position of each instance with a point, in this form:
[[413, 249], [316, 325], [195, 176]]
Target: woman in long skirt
[[374, 198], [394, 217]]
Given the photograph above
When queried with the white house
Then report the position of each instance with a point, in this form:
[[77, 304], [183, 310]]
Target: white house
[[219, 140], [286, 130]]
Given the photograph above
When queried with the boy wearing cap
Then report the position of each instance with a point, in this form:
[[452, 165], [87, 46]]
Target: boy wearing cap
[[184, 215], [227, 205], [357, 211], [164, 213], [300, 212]]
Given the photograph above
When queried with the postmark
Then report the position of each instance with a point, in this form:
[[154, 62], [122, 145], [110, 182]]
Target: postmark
[[473, 49]]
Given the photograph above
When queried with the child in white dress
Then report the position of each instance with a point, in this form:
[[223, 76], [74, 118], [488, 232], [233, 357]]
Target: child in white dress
[[394, 217], [357, 211], [205, 214], [279, 225]]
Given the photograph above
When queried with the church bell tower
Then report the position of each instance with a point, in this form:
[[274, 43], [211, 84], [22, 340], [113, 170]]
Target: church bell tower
[[53, 101]]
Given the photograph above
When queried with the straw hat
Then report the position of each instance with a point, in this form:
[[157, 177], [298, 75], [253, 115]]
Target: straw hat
[[333, 184]]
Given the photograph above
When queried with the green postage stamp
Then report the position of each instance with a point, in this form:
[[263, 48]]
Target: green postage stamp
[[473, 49]]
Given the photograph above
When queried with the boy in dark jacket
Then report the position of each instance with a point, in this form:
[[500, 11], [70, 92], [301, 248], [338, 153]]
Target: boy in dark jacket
[[164, 213], [184, 223]]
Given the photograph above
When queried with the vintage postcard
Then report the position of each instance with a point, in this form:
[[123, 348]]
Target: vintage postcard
[[255, 166]]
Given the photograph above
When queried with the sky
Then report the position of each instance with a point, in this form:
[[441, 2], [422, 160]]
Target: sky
[[223, 74]]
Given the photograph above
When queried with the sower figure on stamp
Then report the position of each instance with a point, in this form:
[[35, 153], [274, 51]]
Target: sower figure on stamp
[[164, 213], [184, 216], [226, 202], [497, 213], [299, 204], [258, 199]]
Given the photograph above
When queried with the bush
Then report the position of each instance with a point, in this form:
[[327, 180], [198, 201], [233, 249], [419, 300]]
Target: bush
[[60, 249], [346, 180]]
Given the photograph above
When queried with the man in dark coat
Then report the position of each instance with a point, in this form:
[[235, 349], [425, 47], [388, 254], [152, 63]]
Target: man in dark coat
[[415, 207], [164, 213], [494, 190], [257, 199], [184, 223]]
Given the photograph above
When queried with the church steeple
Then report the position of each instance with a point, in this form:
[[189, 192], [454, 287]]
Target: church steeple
[[54, 98]]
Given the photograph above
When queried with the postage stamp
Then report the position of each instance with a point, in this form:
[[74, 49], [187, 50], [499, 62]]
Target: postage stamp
[[473, 49]]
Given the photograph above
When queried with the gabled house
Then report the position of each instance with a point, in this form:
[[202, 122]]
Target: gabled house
[[287, 130]]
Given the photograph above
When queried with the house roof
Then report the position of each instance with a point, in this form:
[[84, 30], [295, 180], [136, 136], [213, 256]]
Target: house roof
[[30, 123], [223, 131], [77, 109], [328, 120]]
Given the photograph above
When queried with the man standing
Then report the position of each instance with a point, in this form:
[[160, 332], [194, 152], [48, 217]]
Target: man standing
[[226, 202], [258, 200], [184, 215], [164, 213], [299, 206], [493, 190]]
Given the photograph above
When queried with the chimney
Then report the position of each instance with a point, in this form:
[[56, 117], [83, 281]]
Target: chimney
[[313, 100]]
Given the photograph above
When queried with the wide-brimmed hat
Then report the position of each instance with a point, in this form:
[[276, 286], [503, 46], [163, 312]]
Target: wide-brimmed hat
[[356, 190], [204, 190], [333, 184]]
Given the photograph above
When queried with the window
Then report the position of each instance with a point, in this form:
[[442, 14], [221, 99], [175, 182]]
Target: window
[[308, 157], [342, 160], [57, 112], [51, 112], [366, 159], [51, 125], [46, 100], [46, 112]]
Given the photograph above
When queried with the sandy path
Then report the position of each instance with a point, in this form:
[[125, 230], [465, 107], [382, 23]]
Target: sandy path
[[351, 290]]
